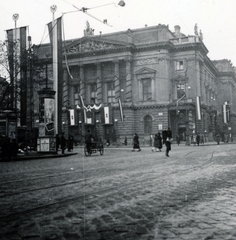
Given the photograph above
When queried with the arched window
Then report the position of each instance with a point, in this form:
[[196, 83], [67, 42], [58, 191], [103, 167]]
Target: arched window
[[147, 124]]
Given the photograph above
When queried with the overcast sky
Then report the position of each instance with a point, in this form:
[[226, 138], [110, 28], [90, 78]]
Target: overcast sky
[[215, 18]]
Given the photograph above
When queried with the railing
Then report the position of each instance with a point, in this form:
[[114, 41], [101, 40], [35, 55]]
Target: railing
[[183, 40]]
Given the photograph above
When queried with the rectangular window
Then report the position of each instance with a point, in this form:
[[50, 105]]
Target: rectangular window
[[111, 92], [147, 91], [93, 93], [179, 65], [180, 90], [77, 102]]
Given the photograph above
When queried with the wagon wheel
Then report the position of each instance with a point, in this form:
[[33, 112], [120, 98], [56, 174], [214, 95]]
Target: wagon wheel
[[101, 150], [86, 153]]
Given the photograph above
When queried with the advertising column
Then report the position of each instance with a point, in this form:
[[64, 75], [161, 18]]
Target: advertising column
[[46, 142]]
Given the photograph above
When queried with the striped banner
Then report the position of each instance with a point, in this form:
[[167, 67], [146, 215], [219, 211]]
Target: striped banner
[[198, 108], [17, 57]]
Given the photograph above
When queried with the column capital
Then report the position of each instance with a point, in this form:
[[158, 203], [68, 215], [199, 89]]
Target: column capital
[[128, 59]]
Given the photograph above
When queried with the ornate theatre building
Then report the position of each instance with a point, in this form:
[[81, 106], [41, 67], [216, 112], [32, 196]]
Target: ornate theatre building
[[161, 78]]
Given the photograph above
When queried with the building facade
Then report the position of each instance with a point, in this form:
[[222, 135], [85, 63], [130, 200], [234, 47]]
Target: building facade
[[163, 79]]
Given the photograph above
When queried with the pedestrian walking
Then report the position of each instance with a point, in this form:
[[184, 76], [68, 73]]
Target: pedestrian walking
[[63, 143], [158, 142], [136, 143], [88, 141], [198, 139], [167, 138], [70, 143], [218, 139], [58, 142], [178, 139], [201, 139]]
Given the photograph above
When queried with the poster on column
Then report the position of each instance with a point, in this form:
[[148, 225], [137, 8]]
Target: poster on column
[[49, 113]]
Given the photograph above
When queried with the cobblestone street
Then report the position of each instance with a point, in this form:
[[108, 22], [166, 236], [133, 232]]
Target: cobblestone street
[[122, 195]]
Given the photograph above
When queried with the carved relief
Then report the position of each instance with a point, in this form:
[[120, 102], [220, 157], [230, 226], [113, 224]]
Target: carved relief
[[89, 46]]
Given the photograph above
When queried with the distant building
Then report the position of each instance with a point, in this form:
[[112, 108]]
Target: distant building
[[158, 75]]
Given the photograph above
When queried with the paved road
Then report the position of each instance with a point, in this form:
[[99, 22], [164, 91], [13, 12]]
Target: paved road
[[122, 195]]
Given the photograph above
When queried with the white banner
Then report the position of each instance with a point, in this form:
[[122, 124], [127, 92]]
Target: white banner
[[72, 117], [106, 115]]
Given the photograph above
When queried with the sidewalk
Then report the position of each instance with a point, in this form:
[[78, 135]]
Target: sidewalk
[[33, 155]]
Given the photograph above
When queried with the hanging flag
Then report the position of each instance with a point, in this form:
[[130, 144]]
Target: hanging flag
[[198, 108], [55, 35], [17, 57], [107, 115], [72, 117], [226, 112], [121, 111]]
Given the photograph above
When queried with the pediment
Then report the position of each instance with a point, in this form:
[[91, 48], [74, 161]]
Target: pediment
[[145, 70], [89, 44]]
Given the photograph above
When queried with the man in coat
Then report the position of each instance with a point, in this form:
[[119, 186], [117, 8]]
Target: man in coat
[[167, 136]]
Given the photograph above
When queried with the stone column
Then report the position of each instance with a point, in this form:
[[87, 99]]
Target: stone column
[[99, 83], [82, 82], [128, 80], [117, 81]]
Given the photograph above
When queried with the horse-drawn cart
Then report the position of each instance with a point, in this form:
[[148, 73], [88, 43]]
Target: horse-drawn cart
[[95, 147]]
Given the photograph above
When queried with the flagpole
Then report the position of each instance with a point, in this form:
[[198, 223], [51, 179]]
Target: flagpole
[[53, 9], [15, 17]]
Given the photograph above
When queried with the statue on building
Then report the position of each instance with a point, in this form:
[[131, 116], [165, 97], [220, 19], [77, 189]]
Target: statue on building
[[88, 30], [201, 35], [196, 29]]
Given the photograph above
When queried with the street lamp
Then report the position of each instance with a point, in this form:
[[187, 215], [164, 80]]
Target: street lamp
[[121, 3], [53, 9]]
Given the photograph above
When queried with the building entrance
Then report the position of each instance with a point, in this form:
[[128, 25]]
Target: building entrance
[[182, 133]]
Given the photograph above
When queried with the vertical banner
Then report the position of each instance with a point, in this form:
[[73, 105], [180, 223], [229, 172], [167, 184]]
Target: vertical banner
[[107, 114], [17, 57], [228, 113], [55, 34], [121, 111], [72, 117], [225, 112], [198, 108]]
